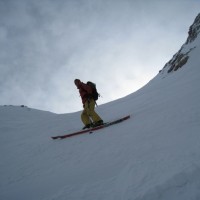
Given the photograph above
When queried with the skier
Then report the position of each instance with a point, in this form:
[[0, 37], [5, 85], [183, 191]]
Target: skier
[[89, 117]]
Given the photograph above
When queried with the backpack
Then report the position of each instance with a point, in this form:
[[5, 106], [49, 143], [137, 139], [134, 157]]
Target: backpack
[[95, 95]]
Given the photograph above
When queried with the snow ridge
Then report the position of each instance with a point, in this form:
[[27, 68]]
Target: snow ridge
[[182, 56]]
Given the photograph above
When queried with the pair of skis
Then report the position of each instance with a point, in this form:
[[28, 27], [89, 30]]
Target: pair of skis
[[90, 130]]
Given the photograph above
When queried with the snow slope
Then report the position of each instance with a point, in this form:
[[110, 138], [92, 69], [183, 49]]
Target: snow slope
[[154, 155]]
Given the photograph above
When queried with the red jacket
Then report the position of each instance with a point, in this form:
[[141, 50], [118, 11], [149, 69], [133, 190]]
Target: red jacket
[[84, 91]]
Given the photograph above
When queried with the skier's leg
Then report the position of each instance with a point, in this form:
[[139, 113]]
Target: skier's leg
[[91, 112], [84, 116]]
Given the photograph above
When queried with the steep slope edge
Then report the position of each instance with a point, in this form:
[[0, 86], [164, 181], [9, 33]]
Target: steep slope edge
[[182, 56]]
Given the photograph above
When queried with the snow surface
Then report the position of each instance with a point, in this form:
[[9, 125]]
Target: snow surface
[[154, 155]]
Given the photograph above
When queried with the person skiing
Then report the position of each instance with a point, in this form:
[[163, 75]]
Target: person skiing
[[88, 116]]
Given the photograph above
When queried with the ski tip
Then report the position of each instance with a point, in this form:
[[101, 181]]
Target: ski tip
[[126, 117]]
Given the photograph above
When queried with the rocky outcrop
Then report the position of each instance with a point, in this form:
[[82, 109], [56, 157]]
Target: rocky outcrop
[[178, 60], [194, 30], [182, 56]]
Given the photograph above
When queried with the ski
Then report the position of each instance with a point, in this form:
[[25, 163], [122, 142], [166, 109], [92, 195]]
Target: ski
[[90, 130]]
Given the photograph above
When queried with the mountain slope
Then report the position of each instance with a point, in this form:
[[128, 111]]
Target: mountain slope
[[154, 155]]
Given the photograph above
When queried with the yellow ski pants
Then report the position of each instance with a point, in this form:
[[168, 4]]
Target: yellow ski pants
[[89, 113]]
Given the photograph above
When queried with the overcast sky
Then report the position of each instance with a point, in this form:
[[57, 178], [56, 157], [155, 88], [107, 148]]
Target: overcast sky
[[118, 44]]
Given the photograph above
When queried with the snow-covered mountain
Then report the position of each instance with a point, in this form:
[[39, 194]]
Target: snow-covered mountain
[[155, 155], [181, 58]]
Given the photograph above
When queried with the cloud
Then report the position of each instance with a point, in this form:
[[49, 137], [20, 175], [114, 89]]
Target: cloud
[[120, 45]]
